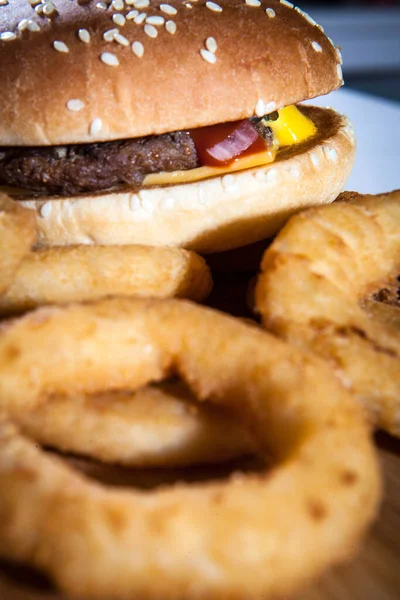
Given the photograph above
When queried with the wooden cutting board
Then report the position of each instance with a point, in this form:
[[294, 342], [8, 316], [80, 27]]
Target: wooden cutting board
[[374, 574]]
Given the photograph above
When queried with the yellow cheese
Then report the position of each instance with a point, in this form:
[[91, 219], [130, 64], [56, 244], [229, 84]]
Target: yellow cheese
[[292, 127], [247, 162]]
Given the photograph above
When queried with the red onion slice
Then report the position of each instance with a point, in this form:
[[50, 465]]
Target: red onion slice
[[221, 144]]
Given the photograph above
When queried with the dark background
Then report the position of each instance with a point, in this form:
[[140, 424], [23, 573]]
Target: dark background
[[368, 32]]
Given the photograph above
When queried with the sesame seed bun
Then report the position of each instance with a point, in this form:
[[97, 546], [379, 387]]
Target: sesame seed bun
[[214, 214], [63, 83]]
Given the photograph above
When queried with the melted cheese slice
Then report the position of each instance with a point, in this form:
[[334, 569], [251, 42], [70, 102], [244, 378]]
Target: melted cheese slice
[[240, 164], [292, 127]]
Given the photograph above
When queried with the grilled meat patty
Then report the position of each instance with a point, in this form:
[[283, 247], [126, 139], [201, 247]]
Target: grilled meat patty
[[76, 169]]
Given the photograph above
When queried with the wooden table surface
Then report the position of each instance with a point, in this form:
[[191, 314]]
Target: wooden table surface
[[374, 574]]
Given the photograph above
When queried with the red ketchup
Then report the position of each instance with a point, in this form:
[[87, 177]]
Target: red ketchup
[[219, 145]]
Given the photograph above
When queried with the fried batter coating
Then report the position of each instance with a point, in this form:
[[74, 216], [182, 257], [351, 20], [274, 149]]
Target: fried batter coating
[[76, 273], [251, 536], [17, 234], [315, 288], [156, 426]]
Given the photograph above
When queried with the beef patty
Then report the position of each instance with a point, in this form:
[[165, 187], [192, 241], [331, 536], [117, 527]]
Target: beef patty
[[76, 169]]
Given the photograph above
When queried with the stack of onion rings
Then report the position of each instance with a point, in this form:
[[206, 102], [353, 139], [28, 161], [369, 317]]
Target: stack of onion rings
[[17, 234], [252, 536], [313, 291], [78, 273]]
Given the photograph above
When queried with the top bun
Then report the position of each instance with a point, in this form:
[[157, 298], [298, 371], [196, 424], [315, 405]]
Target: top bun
[[57, 89]]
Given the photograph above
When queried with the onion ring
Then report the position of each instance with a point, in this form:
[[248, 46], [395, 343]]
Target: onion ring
[[154, 427], [315, 280], [77, 273], [254, 535], [17, 234]]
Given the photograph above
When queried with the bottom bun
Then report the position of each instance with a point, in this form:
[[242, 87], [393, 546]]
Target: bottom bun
[[213, 214]]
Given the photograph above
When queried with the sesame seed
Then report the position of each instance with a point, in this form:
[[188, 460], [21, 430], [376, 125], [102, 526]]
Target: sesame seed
[[134, 202], [332, 43], [317, 47], [349, 129], [109, 35], [49, 8], [7, 36], [315, 159], [121, 39], [102, 5], [95, 126], [270, 13], [211, 45], [155, 20], [33, 26], [331, 154], [34, 2], [140, 18], [117, 4], [148, 205], [260, 108], [138, 49], [228, 183], [109, 59], [39, 9], [131, 15], [339, 72], [170, 26], [286, 3], [168, 9], [270, 107], [129, 2], [119, 20], [45, 210], [167, 203], [188, 5], [60, 47], [151, 31], [306, 16], [141, 3], [75, 105], [3, 2], [295, 172], [214, 7], [84, 36], [255, 3], [23, 24], [208, 56]]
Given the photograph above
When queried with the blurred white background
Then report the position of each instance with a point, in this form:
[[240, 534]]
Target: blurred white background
[[369, 36], [368, 32]]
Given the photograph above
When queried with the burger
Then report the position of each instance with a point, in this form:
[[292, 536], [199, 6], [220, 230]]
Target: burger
[[167, 122]]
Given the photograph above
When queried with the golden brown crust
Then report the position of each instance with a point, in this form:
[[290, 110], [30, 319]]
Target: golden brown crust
[[280, 60], [155, 426], [308, 513], [78, 273], [317, 280], [17, 234], [214, 214]]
